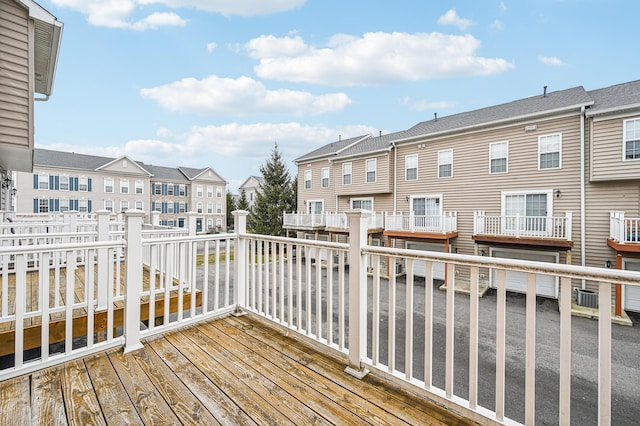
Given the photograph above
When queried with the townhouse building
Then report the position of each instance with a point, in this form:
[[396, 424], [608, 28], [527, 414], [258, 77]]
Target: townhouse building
[[63, 181], [251, 186], [546, 178]]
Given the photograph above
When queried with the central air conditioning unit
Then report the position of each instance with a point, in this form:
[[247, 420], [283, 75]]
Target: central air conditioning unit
[[586, 298]]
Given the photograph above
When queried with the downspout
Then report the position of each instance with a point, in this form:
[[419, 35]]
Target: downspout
[[45, 99], [395, 171], [583, 225]]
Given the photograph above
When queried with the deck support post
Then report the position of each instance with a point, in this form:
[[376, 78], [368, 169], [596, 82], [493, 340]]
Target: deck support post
[[103, 259], [240, 263], [133, 281], [357, 293]]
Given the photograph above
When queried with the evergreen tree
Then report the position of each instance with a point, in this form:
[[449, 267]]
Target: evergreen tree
[[231, 206], [243, 203], [275, 196]]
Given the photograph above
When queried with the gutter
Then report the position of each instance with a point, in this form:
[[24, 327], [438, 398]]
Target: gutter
[[583, 225]]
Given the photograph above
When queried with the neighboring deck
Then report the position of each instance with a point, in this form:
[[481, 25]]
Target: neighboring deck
[[233, 370]]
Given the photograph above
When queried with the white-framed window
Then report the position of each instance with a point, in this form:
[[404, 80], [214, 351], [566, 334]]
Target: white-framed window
[[346, 173], [124, 205], [445, 163], [550, 151], [64, 205], [427, 212], [158, 187], [124, 186], [83, 206], [498, 157], [157, 207], [170, 207], [139, 205], [83, 185], [108, 185], [307, 179], [219, 223], [362, 203], [199, 191], [170, 188], [218, 192], [182, 191], [411, 167], [371, 166], [315, 206], [325, 177], [43, 205], [182, 208], [209, 223], [219, 208], [64, 183], [631, 139], [139, 187], [209, 208], [108, 205], [210, 191], [199, 207], [43, 183], [527, 210]]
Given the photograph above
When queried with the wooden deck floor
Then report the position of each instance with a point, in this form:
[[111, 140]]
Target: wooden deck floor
[[231, 371]]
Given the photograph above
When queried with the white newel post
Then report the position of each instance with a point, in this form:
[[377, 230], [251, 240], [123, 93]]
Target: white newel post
[[155, 218], [133, 281], [240, 263], [190, 258], [103, 259], [357, 293]]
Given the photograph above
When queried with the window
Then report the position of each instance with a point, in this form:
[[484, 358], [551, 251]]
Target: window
[[199, 207], [219, 223], [209, 208], [315, 206], [170, 207], [209, 223], [218, 192], [108, 205], [523, 211], [445, 163], [158, 188], [550, 151], [371, 170], [199, 191], [362, 203], [307, 179], [64, 205], [124, 186], [325, 177], [182, 190], [498, 153], [632, 139], [182, 208], [219, 208], [346, 173], [157, 207], [43, 204], [64, 183], [124, 205], [108, 185], [83, 185], [210, 191], [139, 187], [411, 167], [427, 213], [83, 206], [169, 189], [139, 205], [43, 182]]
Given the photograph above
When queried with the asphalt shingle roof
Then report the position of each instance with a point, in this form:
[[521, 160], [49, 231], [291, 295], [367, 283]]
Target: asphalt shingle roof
[[374, 144], [618, 97], [330, 148], [166, 173], [190, 172], [50, 158]]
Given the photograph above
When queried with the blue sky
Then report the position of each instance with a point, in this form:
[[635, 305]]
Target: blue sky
[[217, 82]]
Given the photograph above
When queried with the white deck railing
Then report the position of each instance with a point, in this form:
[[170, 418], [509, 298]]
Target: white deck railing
[[337, 307], [303, 220], [624, 229], [341, 221], [523, 226], [439, 224]]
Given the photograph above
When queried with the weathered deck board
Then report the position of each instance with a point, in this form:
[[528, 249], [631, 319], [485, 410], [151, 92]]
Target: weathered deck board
[[230, 371]]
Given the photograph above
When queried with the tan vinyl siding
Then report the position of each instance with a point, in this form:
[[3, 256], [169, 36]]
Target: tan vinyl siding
[[608, 151], [359, 184], [473, 188], [316, 192], [15, 100]]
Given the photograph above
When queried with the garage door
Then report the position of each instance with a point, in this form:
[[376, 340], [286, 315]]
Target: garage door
[[420, 267], [632, 293], [546, 285]]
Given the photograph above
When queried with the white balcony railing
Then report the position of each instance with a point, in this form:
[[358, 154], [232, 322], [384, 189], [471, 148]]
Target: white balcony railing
[[341, 221], [303, 220], [523, 226], [623, 229], [388, 326], [440, 224]]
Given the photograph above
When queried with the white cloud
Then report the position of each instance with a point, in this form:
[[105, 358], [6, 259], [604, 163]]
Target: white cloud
[[497, 25], [118, 13], [551, 60], [503, 7], [452, 18], [241, 96], [211, 47], [374, 58], [423, 104]]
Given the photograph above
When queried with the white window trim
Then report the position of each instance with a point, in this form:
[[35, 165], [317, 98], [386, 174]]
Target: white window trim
[[322, 177], [439, 197], [308, 178], [450, 150], [367, 171], [199, 191], [406, 168], [345, 174], [139, 184], [124, 183], [559, 151], [362, 199], [506, 157], [43, 178], [60, 182], [108, 181], [309, 202], [624, 139], [548, 192]]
